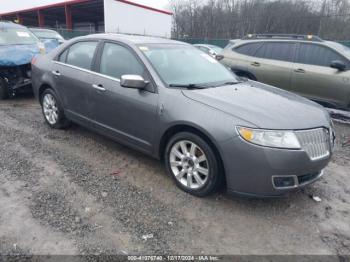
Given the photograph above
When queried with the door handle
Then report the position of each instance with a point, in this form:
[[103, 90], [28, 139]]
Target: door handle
[[255, 64], [99, 87], [299, 70], [56, 73]]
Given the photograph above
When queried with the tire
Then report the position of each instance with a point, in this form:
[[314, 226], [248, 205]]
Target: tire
[[3, 89], [53, 111], [190, 172]]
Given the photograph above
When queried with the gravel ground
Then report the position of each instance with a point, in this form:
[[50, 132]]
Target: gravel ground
[[75, 192]]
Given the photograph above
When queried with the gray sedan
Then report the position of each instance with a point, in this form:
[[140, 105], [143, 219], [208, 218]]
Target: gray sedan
[[178, 104]]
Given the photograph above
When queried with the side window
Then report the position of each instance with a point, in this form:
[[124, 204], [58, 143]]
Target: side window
[[313, 54], [277, 51], [247, 49], [117, 60], [63, 56], [81, 54]]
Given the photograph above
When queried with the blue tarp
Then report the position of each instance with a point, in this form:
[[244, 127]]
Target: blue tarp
[[17, 54], [13, 55], [50, 44]]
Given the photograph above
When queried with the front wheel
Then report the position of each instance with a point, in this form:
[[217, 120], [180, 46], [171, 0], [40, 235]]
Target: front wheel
[[52, 110], [192, 163]]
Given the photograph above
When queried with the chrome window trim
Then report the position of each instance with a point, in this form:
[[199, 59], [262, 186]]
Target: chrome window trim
[[87, 71]]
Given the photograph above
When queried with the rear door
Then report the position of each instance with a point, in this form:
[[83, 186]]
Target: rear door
[[314, 78], [239, 58], [273, 63], [126, 114], [72, 72]]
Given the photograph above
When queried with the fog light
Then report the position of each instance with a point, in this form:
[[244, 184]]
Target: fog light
[[284, 182]]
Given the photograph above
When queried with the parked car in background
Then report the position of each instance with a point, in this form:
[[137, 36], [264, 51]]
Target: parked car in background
[[211, 50], [306, 65], [47, 34], [18, 46], [175, 103]]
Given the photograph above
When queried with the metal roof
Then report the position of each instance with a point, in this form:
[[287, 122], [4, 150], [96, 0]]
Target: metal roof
[[72, 2]]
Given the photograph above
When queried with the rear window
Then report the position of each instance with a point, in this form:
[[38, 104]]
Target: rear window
[[46, 34], [17, 36], [247, 49]]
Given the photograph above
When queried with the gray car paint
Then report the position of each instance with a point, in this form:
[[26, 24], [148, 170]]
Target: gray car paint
[[140, 118]]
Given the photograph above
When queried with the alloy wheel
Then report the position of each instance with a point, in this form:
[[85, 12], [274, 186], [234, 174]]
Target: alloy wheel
[[50, 109], [189, 164]]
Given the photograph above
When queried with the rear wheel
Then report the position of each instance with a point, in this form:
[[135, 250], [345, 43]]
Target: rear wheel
[[3, 89], [53, 111], [192, 164]]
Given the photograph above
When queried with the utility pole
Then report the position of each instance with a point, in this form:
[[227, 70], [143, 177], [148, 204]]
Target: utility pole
[[322, 15]]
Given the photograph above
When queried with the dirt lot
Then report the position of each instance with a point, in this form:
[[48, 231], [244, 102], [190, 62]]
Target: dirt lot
[[75, 192]]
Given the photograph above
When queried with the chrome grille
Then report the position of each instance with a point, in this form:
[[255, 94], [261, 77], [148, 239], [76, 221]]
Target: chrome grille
[[315, 142]]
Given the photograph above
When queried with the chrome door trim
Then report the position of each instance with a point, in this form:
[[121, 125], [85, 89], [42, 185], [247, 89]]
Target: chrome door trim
[[87, 71]]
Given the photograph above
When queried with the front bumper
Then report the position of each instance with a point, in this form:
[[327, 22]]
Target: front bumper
[[251, 169]]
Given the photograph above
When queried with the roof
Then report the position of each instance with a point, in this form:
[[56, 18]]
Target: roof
[[70, 2], [41, 29], [135, 39], [207, 45]]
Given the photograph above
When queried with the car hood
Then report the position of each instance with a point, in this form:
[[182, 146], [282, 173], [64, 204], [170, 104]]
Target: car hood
[[262, 105], [14, 55]]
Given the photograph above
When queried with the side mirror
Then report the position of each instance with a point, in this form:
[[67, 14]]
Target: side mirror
[[337, 64], [133, 81]]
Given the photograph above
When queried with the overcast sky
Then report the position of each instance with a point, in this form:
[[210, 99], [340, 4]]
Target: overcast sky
[[14, 5]]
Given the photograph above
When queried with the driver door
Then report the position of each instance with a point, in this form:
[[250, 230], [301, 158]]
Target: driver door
[[126, 114]]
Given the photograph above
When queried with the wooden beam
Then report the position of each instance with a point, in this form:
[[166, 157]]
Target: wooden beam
[[41, 18], [68, 12]]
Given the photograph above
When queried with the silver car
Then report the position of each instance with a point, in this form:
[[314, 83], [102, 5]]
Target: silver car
[[211, 50], [178, 104]]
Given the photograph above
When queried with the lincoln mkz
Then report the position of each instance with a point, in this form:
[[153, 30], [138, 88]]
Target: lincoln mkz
[[180, 105]]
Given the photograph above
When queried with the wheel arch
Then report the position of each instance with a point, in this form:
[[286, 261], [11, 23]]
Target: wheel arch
[[173, 130], [41, 90], [242, 72], [44, 86]]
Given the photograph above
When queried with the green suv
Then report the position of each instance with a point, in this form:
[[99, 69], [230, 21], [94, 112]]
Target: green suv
[[306, 65]]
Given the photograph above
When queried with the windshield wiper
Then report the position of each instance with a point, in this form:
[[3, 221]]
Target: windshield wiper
[[231, 83], [190, 86]]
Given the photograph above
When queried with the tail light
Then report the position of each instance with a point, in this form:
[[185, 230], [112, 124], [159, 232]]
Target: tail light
[[219, 57], [33, 60]]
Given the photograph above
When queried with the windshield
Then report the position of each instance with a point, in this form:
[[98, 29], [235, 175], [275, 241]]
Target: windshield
[[17, 36], [47, 34], [186, 65], [342, 48]]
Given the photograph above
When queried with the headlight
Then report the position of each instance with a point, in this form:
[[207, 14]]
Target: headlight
[[270, 138], [41, 48]]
